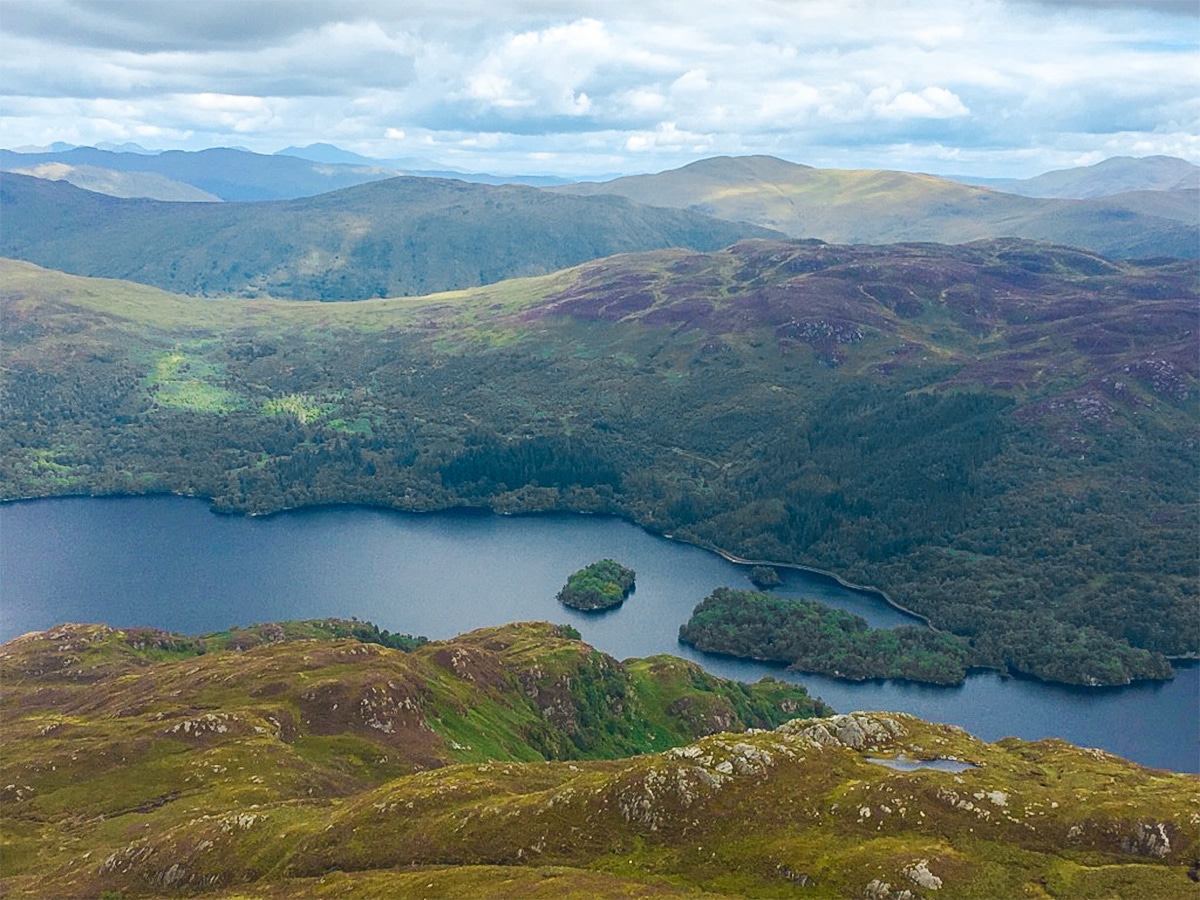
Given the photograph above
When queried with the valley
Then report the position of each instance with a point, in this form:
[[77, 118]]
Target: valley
[[565, 450], [979, 403], [992, 433]]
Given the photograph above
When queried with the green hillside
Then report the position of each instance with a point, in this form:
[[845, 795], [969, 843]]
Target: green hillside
[[119, 184], [282, 761], [869, 206], [1000, 435], [395, 237]]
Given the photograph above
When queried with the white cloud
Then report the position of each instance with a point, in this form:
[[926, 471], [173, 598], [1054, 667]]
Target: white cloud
[[1012, 85], [928, 103], [544, 70], [667, 137]]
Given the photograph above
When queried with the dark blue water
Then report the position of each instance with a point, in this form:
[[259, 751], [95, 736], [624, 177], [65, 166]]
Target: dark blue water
[[168, 562]]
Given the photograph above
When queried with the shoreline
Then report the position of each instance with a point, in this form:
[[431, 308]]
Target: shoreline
[[1182, 661], [712, 548], [813, 570]]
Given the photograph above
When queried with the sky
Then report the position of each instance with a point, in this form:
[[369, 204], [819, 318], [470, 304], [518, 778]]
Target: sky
[[1003, 88]]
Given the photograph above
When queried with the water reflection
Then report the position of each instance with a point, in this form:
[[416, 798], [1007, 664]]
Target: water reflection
[[902, 763]]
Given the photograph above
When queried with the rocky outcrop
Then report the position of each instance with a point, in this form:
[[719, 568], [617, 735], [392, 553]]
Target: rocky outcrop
[[858, 731], [1148, 839]]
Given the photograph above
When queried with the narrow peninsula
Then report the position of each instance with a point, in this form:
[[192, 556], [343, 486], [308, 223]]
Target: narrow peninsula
[[813, 637]]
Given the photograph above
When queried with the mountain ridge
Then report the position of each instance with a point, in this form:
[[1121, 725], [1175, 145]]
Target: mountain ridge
[[113, 183], [880, 206], [232, 175], [399, 236], [1115, 175]]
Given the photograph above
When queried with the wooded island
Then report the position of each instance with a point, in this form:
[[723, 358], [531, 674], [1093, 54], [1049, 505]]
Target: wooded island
[[602, 585]]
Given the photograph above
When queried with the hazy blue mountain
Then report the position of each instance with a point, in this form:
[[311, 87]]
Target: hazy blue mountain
[[227, 173], [127, 147], [328, 153], [1118, 175], [425, 168]]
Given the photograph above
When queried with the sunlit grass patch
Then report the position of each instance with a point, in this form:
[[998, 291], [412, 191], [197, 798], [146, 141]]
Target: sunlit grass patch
[[196, 395], [302, 406], [183, 382]]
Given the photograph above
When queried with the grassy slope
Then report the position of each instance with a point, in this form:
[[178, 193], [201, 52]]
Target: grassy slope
[[869, 206], [994, 433], [103, 728], [119, 184], [387, 238], [320, 767]]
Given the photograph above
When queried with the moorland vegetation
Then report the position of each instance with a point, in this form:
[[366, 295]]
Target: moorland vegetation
[[283, 761]]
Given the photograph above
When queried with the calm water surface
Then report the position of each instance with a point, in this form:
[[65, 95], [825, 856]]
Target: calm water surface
[[169, 562]]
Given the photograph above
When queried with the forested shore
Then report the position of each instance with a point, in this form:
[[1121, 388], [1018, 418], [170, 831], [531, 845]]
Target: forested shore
[[1046, 523]]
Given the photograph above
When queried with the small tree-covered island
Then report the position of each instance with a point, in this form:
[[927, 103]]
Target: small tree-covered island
[[765, 577], [602, 585]]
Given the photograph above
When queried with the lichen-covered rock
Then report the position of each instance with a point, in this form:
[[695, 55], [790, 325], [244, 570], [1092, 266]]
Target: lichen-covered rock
[[858, 731], [918, 873], [1148, 839], [878, 889]]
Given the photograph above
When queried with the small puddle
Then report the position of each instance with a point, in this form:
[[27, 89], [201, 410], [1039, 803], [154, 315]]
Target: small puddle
[[907, 764]]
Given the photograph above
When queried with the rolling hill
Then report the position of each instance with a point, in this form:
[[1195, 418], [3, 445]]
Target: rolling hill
[[401, 236], [1117, 175], [867, 206], [296, 760], [119, 184], [998, 434]]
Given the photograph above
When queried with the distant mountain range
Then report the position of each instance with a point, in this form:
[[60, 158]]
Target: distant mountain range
[[239, 174], [230, 174], [396, 237], [869, 206], [1117, 175], [227, 174]]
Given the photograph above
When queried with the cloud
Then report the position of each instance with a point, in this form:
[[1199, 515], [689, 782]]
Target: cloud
[[928, 103], [1181, 8], [555, 84], [667, 137], [156, 26]]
